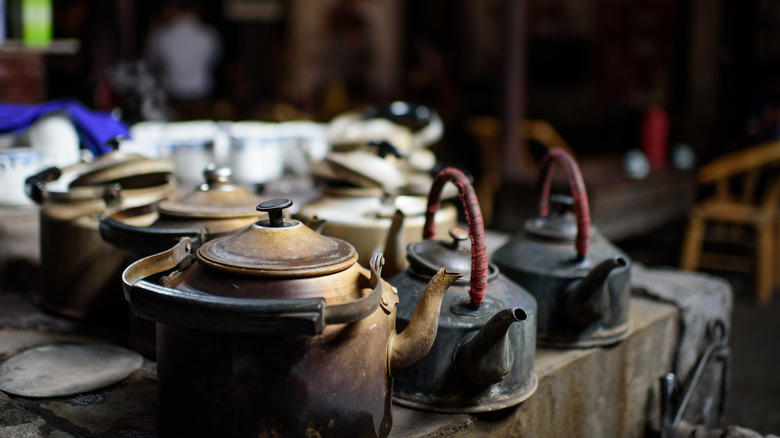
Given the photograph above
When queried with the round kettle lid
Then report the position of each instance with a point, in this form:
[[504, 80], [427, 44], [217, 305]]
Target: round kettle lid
[[116, 165], [560, 224], [218, 197], [426, 257], [277, 248]]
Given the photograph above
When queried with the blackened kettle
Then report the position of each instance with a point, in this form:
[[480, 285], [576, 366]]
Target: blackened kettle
[[580, 280], [483, 356]]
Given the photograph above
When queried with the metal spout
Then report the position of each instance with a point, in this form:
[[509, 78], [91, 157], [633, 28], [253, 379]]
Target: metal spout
[[411, 345], [588, 300], [487, 357], [394, 240]]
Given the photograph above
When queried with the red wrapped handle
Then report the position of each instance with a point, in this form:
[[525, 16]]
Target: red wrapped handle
[[581, 207], [479, 261]]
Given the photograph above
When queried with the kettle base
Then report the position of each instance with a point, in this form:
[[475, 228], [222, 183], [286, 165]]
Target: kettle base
[[478, 405], [597, 338]]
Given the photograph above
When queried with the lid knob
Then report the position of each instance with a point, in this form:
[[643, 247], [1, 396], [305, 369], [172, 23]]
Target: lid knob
[[458, 235], [562, 203], [215, 175], [274, 208]]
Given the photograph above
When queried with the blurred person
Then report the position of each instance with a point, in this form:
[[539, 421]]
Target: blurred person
[[183, 53]]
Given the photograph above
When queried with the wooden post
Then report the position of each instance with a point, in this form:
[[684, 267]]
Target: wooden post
[[514, 88]]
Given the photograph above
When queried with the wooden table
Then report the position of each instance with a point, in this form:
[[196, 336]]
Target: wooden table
[[620, 207]]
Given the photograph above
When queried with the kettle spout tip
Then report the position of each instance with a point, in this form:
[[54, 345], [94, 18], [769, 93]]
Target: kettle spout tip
[[487, 357], [588, 300]]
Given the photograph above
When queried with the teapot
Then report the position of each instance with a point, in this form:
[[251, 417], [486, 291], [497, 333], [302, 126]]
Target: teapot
[[580, 280], [276, 331], [82, 271], [215, 208], [483, 356]]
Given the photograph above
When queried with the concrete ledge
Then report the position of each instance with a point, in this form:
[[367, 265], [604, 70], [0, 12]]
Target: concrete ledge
[[596, 392]]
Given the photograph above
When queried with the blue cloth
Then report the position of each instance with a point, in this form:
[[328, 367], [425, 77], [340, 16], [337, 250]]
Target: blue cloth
[[95, 127]]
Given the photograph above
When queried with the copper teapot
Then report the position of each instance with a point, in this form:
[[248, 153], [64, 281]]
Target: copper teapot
[[276, 331], [580, 280], [82, 270]]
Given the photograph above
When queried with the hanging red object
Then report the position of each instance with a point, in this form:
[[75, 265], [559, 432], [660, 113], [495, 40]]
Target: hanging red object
[[654, 136]]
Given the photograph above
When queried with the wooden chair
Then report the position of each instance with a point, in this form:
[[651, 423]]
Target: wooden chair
[[754, 174]]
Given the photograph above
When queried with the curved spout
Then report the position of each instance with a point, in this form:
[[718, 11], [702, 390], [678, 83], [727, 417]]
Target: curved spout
[[411, 345], [588, 300], [487, 357], [393, 242]]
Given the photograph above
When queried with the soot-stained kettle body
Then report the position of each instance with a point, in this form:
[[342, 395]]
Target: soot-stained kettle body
[[580, 280], [483, 356], [276, 331]]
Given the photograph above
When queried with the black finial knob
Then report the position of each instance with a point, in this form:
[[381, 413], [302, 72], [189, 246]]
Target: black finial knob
[[458, 235], [274, 208], [561, 203], [114, 142], [383, 147], [215, 175]]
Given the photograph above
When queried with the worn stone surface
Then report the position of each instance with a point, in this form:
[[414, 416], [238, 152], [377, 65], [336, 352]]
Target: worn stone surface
[[596, 392], [701, 299]]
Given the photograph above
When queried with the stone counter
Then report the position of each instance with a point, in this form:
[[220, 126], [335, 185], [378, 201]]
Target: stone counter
[[596, 392]]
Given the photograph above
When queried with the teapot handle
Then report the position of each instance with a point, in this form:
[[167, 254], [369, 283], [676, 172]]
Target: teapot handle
[[479, 261], [581, 207], [34, 185], [294, 316]]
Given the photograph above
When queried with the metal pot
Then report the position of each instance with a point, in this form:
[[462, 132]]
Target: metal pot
[[483, 356], [81, 271], [214, 209], [580, 280], [276, 331], [365, 220]]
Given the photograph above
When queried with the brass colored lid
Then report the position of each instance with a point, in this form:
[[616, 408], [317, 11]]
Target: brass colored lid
[[278, 248], [116, 165], [218, 197]]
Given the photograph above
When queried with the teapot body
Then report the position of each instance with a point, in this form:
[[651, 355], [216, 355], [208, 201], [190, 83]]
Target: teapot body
[[549, 270], [81, 270], [437, 383], [360, 221], [333, 384]]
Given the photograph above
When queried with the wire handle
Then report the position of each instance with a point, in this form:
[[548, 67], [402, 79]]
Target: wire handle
[[581, 207], [479, 261]]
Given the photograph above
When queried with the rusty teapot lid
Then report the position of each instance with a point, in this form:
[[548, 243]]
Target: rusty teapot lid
[[217, 197], [278, 248]]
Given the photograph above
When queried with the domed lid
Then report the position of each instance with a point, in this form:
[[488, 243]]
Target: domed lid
[[278, 248], [116, 165], [561, 224], [218, 197], [426, 257]]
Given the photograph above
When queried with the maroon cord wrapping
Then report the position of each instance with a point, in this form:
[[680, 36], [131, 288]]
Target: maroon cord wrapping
[[581, 207], [479, 262]]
